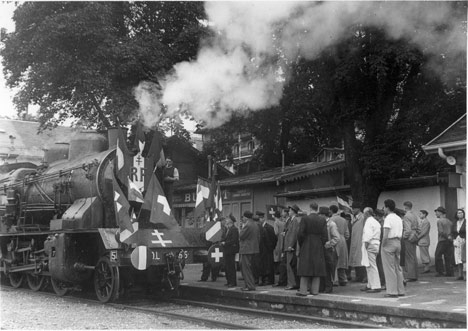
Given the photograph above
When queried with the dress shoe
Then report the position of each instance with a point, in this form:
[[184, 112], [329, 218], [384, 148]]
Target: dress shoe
[[247, 289], [409, 280], [291, 288], [276, 285], [375, 290], [201, 280], [460, 278], [343, 283], [401, 295], [365, 289], [391, 295], [426, 271], [328, 290], [299, 294]]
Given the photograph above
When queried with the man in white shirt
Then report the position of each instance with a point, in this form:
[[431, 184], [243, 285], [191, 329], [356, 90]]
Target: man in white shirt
[[391, 248], [371, 241]]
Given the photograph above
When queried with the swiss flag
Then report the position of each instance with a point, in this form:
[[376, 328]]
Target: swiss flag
[[122, 208], [155, 208]]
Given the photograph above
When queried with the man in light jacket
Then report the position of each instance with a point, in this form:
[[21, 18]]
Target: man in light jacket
[[424, 240]]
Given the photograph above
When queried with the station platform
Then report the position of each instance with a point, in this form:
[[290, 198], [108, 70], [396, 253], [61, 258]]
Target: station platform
[[430, 302]]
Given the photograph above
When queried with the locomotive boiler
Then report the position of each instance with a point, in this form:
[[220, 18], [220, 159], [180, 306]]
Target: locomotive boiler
[[59, 224]]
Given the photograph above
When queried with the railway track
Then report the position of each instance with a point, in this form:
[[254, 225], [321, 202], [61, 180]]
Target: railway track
[[210, 315], [283, 316], [148, 306]]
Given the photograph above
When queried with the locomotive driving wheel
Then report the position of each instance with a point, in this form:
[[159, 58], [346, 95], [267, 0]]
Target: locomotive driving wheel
[[35, 282], [60, 288], [106, 280], [16, 279]]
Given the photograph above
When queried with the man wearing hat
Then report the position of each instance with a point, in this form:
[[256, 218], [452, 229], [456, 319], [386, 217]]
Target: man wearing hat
[[444, 245], [331, 256], [267, 270], [279, 262], [230, 243], [355, 250], [290, 246], [424, 240], [249, 237]]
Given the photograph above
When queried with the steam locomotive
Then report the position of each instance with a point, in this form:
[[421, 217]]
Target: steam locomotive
[[59, 224]]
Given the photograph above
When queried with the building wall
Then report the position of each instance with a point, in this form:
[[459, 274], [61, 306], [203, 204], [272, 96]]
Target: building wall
[[427, 198]]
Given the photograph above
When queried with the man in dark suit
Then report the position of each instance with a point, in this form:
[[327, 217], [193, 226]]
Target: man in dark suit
[[249, 237], [230, 243], [266, 251]]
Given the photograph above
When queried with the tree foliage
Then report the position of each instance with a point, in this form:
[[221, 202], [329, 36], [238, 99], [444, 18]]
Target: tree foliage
[[375, 96], [83, 59]]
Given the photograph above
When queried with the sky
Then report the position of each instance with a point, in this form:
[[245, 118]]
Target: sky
[[6, 21]]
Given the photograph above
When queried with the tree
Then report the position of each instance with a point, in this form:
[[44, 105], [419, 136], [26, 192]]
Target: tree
[[372, 93], [83, 59]]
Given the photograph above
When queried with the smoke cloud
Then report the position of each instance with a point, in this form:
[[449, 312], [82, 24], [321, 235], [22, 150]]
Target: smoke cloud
[[246, 66]]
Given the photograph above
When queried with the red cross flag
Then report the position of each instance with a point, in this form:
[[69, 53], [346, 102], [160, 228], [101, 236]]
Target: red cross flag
[[155, 208]]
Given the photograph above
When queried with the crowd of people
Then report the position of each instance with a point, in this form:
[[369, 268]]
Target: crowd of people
[[313, 252]]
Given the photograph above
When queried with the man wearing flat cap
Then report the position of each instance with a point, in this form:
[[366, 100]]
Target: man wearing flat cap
[[444, 245], [230, 243], [249, 237]]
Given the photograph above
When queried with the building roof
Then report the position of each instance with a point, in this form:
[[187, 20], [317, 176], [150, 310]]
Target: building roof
[[451, 139], [21, 142], [288, 174]]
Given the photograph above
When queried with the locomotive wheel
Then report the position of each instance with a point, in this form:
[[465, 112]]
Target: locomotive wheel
[[35, 282], [60, 288], [106, 280], [16, 279]]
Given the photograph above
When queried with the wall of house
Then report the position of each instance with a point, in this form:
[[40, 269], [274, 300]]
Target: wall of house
[[427, 198]]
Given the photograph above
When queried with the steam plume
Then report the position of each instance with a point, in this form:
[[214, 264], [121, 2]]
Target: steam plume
[[246, 66]]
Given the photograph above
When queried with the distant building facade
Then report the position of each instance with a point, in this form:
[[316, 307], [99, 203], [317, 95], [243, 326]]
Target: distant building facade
[[21, 142]]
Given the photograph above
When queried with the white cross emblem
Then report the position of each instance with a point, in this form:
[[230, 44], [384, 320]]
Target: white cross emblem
[[160, 239], [163, 201], [217, 255]]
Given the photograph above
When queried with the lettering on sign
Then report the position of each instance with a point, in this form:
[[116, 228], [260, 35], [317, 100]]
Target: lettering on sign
[[137, 172], [190, 197], [155, 255]]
